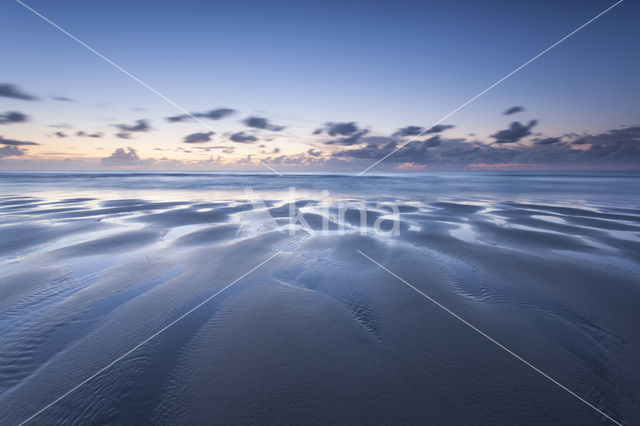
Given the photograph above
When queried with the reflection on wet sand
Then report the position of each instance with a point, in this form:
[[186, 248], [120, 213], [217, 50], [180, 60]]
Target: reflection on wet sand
[[318, 334]]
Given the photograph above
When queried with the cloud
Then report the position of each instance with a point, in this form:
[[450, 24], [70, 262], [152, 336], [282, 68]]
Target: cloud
[[198, 137], [139, 126], [12, 91], [344, 129], [10, 147], [418, 152], [214, 114], [433, 152], [613, 148], [371, 151], [242, 137], [123, 135], [513, 110], [313, 153], [625, 134], [12, 117], [122, 157], [62, 99], [90, 135], [349, 129], [409, 131], [14, 142], [622, 144], [10, 151], [338, 128], [514, 133], [417, 130], [547, 141], [60, 134], [261, 123], [433, 141], [438, 128], [353, 139]]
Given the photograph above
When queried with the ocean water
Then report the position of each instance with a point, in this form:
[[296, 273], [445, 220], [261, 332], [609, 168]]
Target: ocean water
[[311, 331]]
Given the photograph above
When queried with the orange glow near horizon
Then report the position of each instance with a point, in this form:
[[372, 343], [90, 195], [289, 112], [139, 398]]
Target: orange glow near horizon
[[410, 166]]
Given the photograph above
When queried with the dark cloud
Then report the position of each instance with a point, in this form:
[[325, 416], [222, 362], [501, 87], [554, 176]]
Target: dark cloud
[[435, 151], [371, 151], [547, 141], [619, 145], [513, 110], [438, 128], [349, 129], [214, 114], [514, 133], [612, 148], [139, 126], [123, 135], [12, 91], [625, 134], [14, 142], [89, 135], [60, 134], [313, 153], [62, 99], [10, 147], [338, 128], [261, 123], [344, 129], [417, 130], [242, 137], [11, 151], [122, 156], [12, 117], [198, 137], [409, 131], [353, 139], [433, 141], [377, 147]]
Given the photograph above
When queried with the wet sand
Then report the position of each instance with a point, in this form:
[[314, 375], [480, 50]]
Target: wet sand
[[319, 334]]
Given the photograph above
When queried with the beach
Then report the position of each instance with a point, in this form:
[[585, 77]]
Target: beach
[[305, 326]]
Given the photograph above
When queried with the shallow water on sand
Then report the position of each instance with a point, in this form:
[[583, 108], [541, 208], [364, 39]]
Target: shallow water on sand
[[93, 264]]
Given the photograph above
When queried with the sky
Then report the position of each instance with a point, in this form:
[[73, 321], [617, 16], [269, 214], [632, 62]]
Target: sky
[[313, 86]]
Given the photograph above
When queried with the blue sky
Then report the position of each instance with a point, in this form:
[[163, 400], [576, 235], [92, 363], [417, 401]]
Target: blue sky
[[382, 65]]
